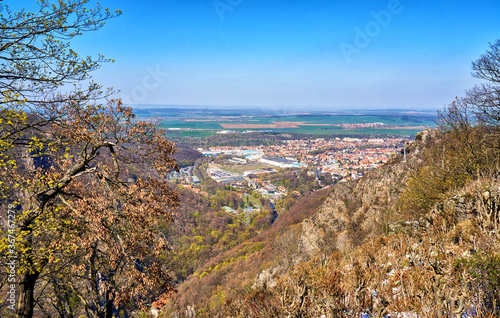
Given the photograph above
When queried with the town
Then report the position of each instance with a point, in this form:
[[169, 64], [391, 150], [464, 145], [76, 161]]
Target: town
[[262, 171]]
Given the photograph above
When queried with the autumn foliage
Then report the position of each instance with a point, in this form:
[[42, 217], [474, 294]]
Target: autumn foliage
[[416, 238], [87, 235]]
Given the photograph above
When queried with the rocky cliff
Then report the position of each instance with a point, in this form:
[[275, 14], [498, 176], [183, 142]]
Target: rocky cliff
[[366, 207]]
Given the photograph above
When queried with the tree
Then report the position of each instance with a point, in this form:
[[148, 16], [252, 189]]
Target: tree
[[36, 61], [35, 55], [481, 104], [468, 147], [85, 224], [87, 236]]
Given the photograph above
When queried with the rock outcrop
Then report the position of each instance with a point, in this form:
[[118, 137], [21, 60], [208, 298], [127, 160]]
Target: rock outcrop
[[363, 206]]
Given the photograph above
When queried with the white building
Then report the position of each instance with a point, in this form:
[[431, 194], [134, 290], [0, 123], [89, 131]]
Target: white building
[[278, 162]]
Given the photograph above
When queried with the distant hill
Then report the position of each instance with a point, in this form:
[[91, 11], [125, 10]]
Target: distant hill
[[186, 156]]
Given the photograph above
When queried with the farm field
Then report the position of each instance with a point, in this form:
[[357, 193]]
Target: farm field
[[243, 168], [203, 123]]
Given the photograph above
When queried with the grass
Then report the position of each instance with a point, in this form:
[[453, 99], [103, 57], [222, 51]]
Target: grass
[[190, 124], [243, 168], [208, 128], [229, 169], [251, 199], [335, 131]]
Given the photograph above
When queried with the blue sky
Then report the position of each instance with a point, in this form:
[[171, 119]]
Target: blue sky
[[409, 54]]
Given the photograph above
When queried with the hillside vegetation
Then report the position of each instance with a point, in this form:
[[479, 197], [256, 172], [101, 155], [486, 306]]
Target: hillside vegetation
[[419, 237]]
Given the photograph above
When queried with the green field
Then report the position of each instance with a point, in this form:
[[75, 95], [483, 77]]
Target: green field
[[189, 124], [190, 133], [204, 123], [243, 168], [361, 131]]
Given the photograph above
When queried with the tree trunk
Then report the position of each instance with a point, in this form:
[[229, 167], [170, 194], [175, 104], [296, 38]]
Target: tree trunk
[[26, 301], [27, 280], [109, 309]]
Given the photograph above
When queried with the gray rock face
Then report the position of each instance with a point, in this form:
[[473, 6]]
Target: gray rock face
[[359, 204], [362, 206], [476, 204], [267, 277]]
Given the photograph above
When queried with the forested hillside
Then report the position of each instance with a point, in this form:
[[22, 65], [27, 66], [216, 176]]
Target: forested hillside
[[186, 156], [418, 237]]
